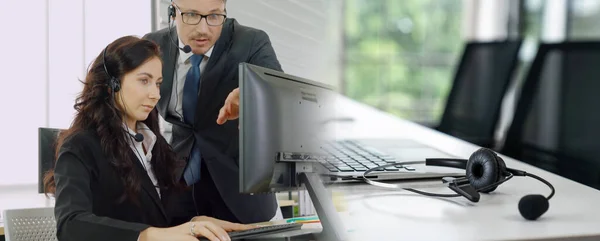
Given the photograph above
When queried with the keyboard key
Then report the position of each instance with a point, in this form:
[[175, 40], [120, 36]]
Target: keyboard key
[[389, 160], [379, 163], [345, 169], [355, 164], [360, 159], [371, 165]]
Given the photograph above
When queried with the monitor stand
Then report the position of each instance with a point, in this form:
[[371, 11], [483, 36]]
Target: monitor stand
[[333, 228]]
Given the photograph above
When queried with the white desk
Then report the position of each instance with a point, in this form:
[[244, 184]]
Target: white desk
[[386, 214]]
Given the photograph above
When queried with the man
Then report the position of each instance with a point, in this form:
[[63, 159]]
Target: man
[[195, 88]]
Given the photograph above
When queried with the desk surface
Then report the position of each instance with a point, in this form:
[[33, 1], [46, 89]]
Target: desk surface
[[386, 214]]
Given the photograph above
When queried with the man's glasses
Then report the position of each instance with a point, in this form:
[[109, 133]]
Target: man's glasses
[[192, 18]]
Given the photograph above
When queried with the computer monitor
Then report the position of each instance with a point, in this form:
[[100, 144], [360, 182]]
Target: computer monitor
[[283, 133], [47, 138]]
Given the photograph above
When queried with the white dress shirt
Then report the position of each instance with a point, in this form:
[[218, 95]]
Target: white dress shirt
[[181, 69], [138, 150]]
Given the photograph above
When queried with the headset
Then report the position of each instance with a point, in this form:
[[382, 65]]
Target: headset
[[114, 83], [485, 171], [172, 14]]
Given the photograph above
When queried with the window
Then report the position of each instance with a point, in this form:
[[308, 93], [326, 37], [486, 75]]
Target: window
[[400, 56], [584, 16]]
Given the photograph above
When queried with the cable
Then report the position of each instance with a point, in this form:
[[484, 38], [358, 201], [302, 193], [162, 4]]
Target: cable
[[431, 194], [397, 186], [131, 137], [545, 182]]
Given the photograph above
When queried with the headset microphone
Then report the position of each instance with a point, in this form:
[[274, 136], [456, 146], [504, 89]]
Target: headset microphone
[[533, 206], [138, 137]]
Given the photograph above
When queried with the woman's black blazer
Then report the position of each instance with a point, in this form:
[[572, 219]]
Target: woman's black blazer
[[87, 193]]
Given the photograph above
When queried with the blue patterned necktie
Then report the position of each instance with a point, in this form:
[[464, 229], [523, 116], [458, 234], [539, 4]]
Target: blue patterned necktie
[[190, 98]]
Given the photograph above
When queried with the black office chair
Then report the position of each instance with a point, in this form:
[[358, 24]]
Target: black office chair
[[557, 121], [47, 138], [480, 83]]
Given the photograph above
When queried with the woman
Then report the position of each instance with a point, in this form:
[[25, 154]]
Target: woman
[[114, 171]]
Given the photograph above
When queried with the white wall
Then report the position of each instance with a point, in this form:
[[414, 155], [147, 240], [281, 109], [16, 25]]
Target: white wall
[[51, 45], [24, 73]]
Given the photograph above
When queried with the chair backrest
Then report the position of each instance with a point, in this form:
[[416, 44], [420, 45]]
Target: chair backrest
[[556, 121], [480, 83], [34, 224], [46, 151]]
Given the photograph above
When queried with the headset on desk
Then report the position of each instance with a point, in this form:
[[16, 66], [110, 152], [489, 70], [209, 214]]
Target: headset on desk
[[485, 171]]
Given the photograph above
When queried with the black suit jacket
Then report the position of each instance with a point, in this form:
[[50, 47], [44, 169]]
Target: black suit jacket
[[219, 144], [87, 190]]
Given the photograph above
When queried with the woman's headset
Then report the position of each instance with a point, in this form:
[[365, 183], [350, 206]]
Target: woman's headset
[[113, 83], [485, 171]]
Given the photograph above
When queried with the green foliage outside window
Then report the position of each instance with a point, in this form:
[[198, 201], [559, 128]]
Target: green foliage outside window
[[400, 55]]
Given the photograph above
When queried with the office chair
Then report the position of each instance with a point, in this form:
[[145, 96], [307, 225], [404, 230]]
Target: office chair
[[556, 121], [47, 138], [480, 83], [33, 224]]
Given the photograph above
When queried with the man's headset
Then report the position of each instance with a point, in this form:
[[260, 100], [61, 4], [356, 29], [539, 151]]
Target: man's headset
[[171, 12], [485, 171]]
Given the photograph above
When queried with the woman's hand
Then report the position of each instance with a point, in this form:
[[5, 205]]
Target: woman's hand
[[189, 231], [227, 226]]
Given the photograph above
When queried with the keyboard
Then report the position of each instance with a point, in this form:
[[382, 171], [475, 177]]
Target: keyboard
[[351, 156], [348, 156], [261, 231]]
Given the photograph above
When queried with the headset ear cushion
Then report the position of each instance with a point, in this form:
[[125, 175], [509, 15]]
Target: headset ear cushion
[[501, 167], [171, 11], [483, 169], [115, 85]]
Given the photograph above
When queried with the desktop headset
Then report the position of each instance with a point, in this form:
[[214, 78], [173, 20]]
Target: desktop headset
[[485, 171]]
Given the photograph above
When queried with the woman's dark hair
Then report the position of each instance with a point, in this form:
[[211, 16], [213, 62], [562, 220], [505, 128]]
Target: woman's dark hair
[[97, 111]]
